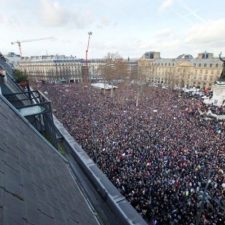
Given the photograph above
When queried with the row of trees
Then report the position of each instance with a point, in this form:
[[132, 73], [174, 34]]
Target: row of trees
[[116, 69]]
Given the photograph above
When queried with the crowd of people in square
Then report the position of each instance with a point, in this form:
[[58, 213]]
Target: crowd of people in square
[[162, 155]]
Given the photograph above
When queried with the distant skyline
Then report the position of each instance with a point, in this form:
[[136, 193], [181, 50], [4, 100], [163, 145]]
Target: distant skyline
[[172, 27]]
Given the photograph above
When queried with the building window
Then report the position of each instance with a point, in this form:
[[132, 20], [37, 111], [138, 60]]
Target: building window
[[199, 64], [205, 65], [210, 65], [217, 65]]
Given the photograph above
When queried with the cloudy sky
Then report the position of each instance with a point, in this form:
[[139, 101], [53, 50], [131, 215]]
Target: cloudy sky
[[129, 27]]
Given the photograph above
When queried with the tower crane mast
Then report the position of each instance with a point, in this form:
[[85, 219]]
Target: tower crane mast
[[86, 59]]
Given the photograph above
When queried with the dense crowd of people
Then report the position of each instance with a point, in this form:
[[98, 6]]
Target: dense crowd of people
[[167, 159]]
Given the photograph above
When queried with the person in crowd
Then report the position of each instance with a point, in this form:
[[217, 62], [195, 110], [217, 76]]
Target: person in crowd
[[163, 156]]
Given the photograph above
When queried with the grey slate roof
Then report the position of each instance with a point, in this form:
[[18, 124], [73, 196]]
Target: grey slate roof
[[36, 184]]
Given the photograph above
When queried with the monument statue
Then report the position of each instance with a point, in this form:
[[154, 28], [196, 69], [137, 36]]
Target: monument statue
[[222, 76], [218, 97]]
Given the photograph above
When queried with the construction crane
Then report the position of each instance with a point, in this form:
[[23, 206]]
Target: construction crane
[[89, 36], [31, 40], [86, 59]]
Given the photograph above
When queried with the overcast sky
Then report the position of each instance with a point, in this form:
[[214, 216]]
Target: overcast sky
[[129, 27]]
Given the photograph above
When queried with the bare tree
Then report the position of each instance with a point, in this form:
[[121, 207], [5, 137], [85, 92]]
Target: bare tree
[[115, 68]]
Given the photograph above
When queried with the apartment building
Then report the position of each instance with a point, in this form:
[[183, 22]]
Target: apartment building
[[59, 68], [183, 71]]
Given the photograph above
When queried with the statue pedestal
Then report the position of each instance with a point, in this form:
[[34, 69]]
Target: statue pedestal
[[218, 98]]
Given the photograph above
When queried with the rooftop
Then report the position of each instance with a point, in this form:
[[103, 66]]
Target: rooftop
[[36, 184]]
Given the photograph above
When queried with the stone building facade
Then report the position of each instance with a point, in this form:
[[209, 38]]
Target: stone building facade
[[93, 68], [183, 71], [58, 68]]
